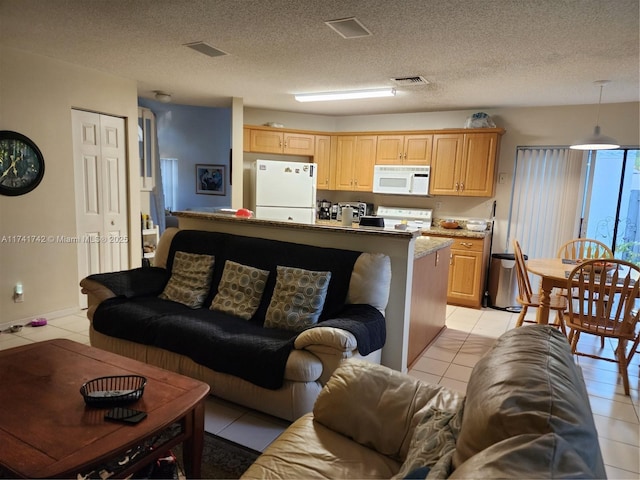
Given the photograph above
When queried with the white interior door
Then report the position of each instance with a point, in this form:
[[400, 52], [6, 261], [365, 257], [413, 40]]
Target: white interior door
[[100, 187]]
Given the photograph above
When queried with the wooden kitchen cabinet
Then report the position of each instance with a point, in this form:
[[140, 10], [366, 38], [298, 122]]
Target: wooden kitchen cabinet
[[288, 143], [404, 150], [428, 301], [246, 139], [355, 157], [467, 271], [463, 164], [322, 157]]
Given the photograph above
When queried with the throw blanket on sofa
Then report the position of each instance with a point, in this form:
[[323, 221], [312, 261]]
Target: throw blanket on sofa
[[222, 342]]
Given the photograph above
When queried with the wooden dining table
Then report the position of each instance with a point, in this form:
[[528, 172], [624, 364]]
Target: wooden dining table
[[553, 273]]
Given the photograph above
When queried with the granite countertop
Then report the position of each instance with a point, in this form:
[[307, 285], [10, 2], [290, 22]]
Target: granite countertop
[[326, 225], [455, 232], [426, 245]]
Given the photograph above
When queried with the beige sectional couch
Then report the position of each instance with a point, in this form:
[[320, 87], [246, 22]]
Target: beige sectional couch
[[317, 351], [526, 414]]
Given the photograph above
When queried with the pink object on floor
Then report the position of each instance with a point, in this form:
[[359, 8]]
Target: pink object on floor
[[38, 322]]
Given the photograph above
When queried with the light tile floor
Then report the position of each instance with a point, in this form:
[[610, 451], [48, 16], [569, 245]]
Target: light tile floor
[[448, 361]]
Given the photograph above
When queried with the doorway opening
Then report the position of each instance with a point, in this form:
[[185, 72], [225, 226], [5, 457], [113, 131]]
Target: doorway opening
[[611, 206]]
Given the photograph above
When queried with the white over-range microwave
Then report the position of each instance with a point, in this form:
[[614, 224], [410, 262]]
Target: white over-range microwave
[[401, 179]]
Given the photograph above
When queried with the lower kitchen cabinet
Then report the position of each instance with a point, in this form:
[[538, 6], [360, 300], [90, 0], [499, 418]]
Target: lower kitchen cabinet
[[467, 271], [428, 301]]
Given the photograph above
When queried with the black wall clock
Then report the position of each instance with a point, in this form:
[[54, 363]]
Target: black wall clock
[[21, 164]]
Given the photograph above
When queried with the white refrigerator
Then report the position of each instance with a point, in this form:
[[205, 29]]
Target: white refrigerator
[[284, 191]]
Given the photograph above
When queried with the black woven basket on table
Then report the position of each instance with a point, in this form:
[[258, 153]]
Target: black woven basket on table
[[114, 390]]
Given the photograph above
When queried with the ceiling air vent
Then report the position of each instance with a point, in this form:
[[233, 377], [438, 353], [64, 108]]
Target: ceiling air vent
[[409, 81], [206, 49], [349, 28]]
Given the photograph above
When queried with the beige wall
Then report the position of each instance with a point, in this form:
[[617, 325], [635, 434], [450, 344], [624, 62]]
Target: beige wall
[[37, 95]]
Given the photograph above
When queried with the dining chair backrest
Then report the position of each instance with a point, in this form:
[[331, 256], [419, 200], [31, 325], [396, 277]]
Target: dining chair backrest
[[524, 285], [584, 248], [603, 296]]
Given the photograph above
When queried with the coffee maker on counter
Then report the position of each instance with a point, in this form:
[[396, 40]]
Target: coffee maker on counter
[[324, 210]]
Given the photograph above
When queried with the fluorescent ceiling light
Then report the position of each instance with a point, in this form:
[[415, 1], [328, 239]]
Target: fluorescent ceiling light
[[346, 95]]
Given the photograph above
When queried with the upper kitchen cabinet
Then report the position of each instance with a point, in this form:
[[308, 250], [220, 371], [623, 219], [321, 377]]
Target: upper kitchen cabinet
[[355, 158], [463, 164], [246, 140], [288, 143], [404, 150], [322, 158]]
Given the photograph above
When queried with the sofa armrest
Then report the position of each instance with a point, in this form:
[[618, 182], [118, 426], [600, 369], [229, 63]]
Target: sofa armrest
[[138, 282], [96, 293], [326, 339], [378, 407]]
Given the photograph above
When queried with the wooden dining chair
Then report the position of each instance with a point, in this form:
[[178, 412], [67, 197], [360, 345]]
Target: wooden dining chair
[[604, 304], [526, 298], [581, 248]]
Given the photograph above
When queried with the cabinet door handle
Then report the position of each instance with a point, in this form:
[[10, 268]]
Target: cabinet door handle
[[456, 187], [461, 187], [466, 244]]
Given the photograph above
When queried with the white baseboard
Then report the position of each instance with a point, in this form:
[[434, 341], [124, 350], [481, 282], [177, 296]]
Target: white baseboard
[[48, 316]]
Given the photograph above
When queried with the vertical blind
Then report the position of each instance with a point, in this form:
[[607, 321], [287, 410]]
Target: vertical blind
[[169, 169], [546, 199]]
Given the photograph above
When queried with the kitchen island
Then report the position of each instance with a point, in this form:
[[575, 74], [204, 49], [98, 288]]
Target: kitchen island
[[402, 247]]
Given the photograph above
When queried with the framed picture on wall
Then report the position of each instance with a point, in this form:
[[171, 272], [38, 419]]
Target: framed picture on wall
[[210, 179]]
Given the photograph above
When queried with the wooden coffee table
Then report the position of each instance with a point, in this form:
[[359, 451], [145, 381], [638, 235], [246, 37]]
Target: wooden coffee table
[[46, 430]]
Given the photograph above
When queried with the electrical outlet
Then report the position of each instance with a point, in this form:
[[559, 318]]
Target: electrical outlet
[[502, 178], [438, 205]]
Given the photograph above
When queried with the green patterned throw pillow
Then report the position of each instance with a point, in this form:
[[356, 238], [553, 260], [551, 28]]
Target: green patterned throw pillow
[[240, 290], [190, 278], [297, 299]]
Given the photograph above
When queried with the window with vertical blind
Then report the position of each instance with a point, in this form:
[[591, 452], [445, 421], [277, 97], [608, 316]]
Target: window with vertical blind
[[169, 171], [546, 199]]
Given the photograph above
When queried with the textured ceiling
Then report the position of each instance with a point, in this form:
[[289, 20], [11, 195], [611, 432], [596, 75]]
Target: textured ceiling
[[476, 54]]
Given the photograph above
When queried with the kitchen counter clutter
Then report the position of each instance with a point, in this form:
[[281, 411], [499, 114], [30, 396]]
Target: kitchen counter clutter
[[320, 224]]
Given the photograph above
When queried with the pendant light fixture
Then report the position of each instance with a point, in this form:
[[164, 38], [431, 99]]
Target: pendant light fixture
[[597, 141]]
